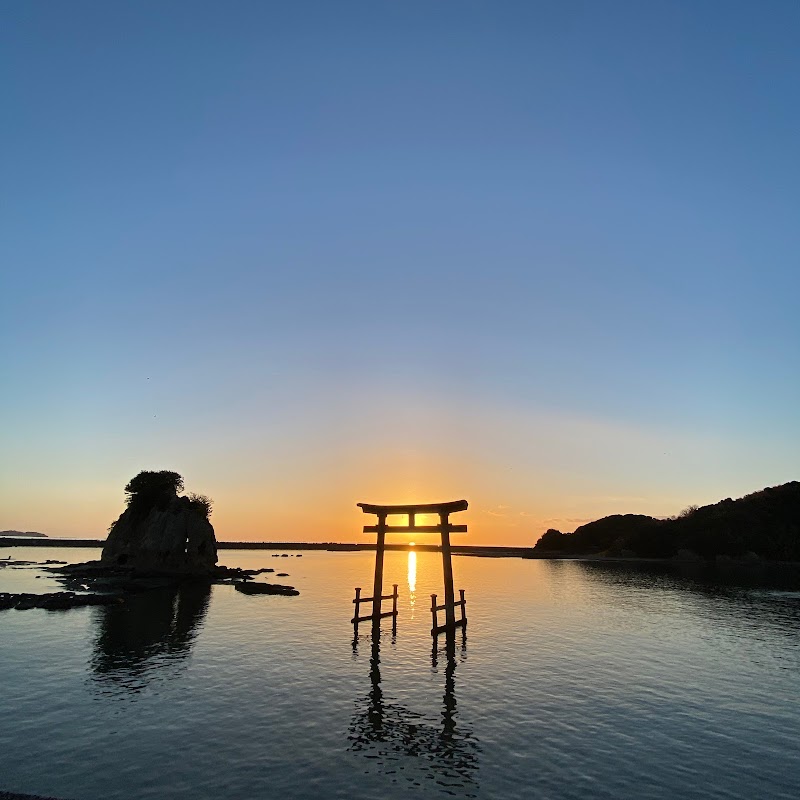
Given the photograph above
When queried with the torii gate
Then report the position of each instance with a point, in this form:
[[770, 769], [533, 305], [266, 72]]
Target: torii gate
[[445, 529]]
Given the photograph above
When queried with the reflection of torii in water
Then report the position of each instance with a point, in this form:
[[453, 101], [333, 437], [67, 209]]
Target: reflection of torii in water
[[384, 731]]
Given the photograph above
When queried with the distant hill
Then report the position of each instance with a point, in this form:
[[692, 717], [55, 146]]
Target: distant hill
[[23, 533], [764, 524]]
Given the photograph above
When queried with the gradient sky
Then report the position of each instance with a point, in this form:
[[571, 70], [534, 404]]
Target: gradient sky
[[540, 255]]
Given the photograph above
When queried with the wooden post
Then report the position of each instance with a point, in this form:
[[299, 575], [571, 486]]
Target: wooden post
[[463, 607], [447, 564], [433, 612], [378, 588], [357, 612], [394, 600]]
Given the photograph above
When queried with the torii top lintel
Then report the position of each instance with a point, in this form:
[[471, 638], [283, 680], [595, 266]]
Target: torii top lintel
[[442, 509], [416, 508]]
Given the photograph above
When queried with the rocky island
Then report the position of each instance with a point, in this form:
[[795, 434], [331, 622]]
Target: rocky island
[[162, 539], [160, 531]]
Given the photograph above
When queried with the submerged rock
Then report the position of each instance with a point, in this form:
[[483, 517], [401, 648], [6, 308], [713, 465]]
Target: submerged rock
[[99, 576], [266, 588], [54, 601], [94, 583]]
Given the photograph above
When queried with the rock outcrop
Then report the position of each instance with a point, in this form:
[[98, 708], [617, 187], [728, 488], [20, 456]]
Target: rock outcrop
[[161, 541], [160, 531], [177, 538]]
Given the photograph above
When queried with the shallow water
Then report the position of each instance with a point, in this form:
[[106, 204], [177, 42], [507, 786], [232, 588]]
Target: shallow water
[[575, 680]]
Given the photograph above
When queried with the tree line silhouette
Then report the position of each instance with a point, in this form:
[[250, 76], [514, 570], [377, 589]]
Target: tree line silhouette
[[764, 524], [157, 489]]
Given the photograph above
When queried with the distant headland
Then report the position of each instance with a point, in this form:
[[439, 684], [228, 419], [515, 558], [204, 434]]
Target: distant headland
[[24, 533], [761, 525]]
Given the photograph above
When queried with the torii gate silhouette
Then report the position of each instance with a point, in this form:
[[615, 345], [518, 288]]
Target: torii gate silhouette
[[445, 529]]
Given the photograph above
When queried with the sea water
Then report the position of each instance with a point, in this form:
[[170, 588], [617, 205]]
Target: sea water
[[574, 680]]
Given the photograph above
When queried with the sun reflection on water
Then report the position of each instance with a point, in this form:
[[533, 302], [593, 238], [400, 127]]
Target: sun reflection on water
[[412, 580]]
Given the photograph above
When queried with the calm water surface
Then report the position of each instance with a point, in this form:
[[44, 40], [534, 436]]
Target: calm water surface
[[576, 680]]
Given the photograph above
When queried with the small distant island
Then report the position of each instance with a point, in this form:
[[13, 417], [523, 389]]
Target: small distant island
[[761, 525], [24, 533]]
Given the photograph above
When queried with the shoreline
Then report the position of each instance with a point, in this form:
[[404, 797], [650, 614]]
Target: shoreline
[[476, 551], [18, 796], [344, 547]]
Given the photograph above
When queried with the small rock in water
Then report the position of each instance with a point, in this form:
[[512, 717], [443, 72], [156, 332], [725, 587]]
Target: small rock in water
[[283, 574], [266, 588]]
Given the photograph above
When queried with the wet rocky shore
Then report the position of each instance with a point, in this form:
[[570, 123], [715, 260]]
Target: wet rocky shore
[[94, 583]]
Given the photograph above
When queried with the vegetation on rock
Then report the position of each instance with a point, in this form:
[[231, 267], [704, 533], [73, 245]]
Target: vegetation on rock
[[158, 489], [200, 502], [152, 490]]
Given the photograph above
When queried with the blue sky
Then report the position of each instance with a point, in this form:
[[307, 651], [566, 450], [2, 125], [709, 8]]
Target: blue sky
[[543, 255]]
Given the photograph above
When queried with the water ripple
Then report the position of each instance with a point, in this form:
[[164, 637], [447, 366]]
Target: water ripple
[[576, 680]]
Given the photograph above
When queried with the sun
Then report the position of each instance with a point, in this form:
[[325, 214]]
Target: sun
[[411, 544]]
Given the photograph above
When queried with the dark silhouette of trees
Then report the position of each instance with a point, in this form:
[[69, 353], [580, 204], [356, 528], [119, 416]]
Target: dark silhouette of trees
[[553, 539], [151, 483], [765, 524], [201, 503], [151, 489]]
